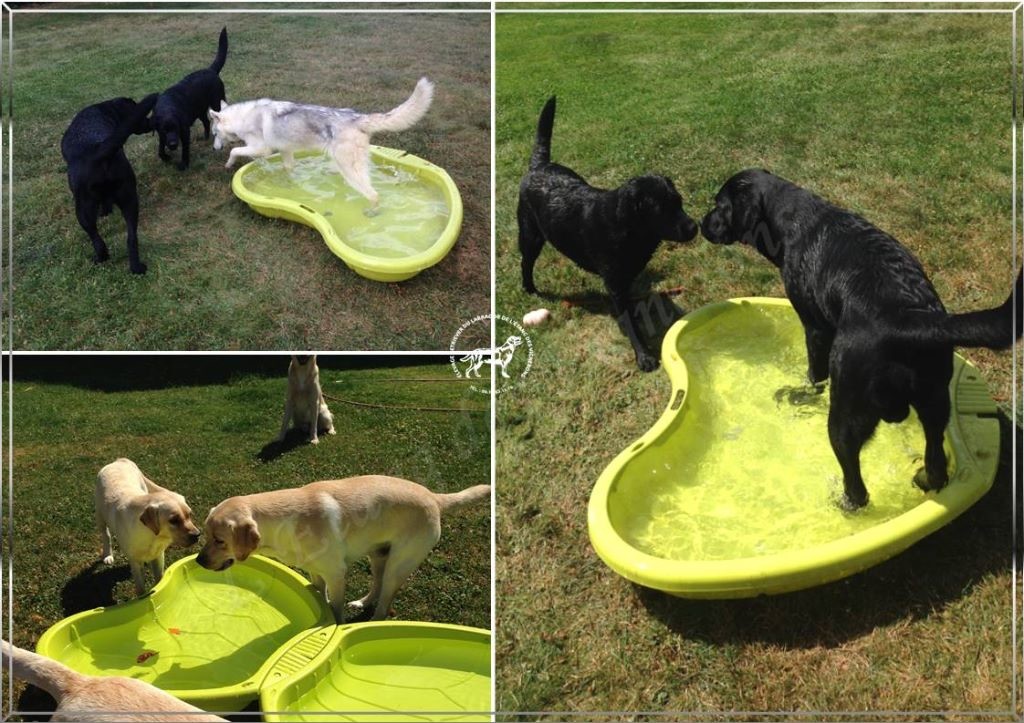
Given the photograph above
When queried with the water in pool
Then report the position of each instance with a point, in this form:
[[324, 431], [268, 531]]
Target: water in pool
[[411, 216], [769, 480]]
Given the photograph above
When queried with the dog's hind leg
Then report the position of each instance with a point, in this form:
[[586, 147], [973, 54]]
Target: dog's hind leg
[[934, 415], [129, 205], [186, 141], [531, 241], [378, 561], [352, 156], [405, 556], [850, 426], [87, 213]]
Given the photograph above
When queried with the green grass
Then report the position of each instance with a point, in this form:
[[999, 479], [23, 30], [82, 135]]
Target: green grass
[[196, 425], [900, 118], [220, 275]]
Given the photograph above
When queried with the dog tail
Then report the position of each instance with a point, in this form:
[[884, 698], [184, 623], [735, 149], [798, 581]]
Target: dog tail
[[467, 497], [542, 146], [131, 123], [404, 116], [222, 52], [53, 677], [994, 328]]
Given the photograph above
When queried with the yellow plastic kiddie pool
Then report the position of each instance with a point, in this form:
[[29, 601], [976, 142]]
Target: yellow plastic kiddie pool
[[733, 492], [415, 225], [393, 670], [203, 636]]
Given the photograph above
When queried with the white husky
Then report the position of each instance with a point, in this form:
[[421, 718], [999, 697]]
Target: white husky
[[268, 126]]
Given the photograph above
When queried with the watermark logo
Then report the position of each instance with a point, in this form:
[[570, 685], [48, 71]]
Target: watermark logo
[[512, 358]]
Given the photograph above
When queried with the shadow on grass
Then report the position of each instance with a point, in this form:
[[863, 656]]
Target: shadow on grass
[[93, 587], [274, 449], [139, 372], [917, 583]]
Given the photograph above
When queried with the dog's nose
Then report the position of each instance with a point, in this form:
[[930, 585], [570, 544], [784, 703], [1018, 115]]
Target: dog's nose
[[193, 538]]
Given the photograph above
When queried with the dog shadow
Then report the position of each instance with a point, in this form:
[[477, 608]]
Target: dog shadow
[[920, 582], [274, 449], [92, 587]]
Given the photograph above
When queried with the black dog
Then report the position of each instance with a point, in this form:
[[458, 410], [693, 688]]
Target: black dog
[[188, 100], [871, 318], [99, 173], [609, 233]]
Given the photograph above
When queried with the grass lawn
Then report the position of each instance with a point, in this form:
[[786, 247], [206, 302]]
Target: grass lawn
[[220, 275], [900, 118], [201, 426]]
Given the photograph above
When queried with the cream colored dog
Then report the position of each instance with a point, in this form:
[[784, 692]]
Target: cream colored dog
[[324, 526], [304, 405], [98, 699], [145, 518]]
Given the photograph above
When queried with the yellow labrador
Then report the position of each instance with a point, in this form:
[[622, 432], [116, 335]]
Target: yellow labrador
[[304, 405], [324, 526], [144, 517], [98, 699]]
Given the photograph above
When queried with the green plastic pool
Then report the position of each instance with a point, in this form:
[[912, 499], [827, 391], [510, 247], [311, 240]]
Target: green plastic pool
[[732, 493], [206, 637], [415, 226], [394, 671]]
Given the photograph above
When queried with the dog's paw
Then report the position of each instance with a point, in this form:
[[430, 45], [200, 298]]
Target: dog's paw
[[529, 288], [182, 165], [647, 362], [100, 258], [848, 504], [926, 484], [108, 560], [332, 430], [139, 269], [314, 440], [356, 605]]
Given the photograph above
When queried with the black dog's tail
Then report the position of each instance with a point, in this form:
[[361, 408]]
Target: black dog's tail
[[542, 146], [222, 51], [126, 127], [994, 328]]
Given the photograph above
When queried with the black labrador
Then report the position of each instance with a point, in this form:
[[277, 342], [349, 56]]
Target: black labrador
[[187, 101], [872, 320], [99, 172], [609, 233]]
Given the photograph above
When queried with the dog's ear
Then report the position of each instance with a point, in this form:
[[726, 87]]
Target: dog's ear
[[214, 115], [889, 389], [150, 517], [631, 200], [223, 104], [246, 539]]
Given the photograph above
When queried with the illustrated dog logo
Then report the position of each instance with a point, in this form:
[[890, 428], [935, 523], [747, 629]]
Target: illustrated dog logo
[[501, 357]]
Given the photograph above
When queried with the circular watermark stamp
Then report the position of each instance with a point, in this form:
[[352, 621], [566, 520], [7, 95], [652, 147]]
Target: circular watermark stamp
[[510, 360]]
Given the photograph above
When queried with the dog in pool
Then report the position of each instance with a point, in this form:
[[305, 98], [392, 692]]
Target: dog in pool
[[268, 126], [872, 320]]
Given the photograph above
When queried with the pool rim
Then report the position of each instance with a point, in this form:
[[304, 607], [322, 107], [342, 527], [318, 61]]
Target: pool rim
[[794, 569]]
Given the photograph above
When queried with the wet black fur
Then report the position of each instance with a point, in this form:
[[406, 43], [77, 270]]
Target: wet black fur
[[187, 101], [871, 318], [609, 233], [99, 172]]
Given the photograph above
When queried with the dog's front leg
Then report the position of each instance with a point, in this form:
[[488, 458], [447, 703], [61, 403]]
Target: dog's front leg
[[336, 592], [137, 576], [186, 141], [288, 408], [819, 347], [622, 307], [156, 567], [107, 552], [288, 160], [250, 151]]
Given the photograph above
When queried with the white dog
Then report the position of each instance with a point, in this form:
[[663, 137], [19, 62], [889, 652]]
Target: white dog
[[98, 699], [268, 126], [304, 404], [325, 526], [145, 518]]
